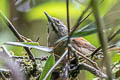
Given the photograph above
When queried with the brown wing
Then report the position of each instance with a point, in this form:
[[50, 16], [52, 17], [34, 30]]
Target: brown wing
[[83, 45]]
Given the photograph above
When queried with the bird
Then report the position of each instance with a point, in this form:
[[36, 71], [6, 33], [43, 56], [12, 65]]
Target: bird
[[57, 30]]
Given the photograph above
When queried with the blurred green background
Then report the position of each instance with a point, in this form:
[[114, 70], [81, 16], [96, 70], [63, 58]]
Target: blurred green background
[[28, 18]]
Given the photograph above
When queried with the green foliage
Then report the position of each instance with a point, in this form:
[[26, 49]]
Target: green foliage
[[87, 30], [56, 9], [93, 39], [115, 57], [106, 5], [49, 63], [4, 7]]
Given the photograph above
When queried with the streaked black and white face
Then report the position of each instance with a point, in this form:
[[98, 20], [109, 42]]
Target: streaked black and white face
[[59, 28], [56, 30]]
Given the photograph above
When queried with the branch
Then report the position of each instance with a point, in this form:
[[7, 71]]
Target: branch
[[68, 17], [109, 39], [36, 58], [5, 73], [83, 56], [102, 37], [98, 73], [79, 21], [2, 76], [66, 60], [6, 51], [59, 60], [17, 34]]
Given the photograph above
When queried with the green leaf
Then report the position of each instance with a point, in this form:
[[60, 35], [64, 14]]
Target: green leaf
[[22, 44], [50, 62], [87, 30]]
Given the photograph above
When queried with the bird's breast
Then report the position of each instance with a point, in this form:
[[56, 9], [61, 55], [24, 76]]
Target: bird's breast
[[52, 38]]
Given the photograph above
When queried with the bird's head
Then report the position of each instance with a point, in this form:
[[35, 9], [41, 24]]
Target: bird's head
[[56, 26]]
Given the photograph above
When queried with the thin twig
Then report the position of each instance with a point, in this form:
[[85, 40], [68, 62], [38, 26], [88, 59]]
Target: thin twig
[[36, 58], [98, 73], [5, 73], [115, 65], [68, 17], [75, 50], [66, 69], [79, 21], [109, 39], [102, 37], [85, 17], [59, 60], [117, 32], [68, 22], [2, 76], [17, 34], [6, 51]]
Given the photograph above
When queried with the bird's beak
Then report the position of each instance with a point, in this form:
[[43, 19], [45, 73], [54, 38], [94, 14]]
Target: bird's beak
[[50, 19]]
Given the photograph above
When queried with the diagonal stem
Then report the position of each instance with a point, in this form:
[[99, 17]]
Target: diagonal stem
[[66, 69], [102, 37], [17, 34], [59, 60], [109, 39], [79, 21]]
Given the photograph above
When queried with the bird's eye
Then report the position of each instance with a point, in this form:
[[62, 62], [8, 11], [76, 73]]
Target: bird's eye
[[58, 22]]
